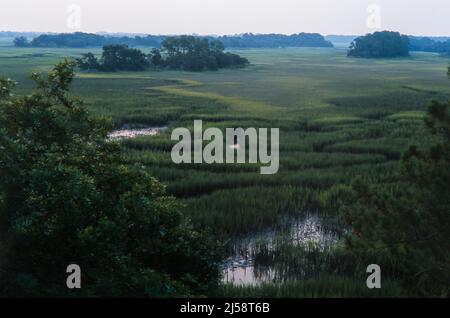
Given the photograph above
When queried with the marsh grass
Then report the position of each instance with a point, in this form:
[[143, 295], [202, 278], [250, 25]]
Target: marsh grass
[[339, 119], [322, 287]]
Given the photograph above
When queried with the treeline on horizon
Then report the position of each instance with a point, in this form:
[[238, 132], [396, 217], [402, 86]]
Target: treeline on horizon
[[186, 53], [247, 40], [426, 44], [383, 44], [439, 45], [387, 44]]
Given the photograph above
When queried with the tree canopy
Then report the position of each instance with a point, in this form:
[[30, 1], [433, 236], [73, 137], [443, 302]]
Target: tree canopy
[[247, 40], [21, 41], [180, 53], [426, 44], [115, 58], [196, 54], [81, 39], [67, 198], [383, 44], [407, 223]]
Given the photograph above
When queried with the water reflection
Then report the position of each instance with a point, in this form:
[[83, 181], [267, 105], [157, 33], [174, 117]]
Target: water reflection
[[240, 268]]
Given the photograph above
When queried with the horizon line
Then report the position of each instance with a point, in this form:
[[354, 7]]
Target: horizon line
[[210, 34]]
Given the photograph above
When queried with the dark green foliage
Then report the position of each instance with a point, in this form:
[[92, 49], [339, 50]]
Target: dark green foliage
[[80, 39], [380, 45], [115, 58], [323, 147], [187, 53], [155, 57], [88, 61], [66, 197], [429, 45], [21, 41], [250, 40], [410, 220], [321, 287], [197, 54], [121, 58], [77, 39]]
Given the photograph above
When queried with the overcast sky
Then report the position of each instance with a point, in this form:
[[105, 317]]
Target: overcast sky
[[418, 17]]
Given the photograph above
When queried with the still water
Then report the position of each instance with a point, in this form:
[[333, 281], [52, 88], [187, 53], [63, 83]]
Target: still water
[[240, 269]]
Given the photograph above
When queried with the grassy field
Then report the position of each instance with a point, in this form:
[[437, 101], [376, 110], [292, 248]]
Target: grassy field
[[339, 118]]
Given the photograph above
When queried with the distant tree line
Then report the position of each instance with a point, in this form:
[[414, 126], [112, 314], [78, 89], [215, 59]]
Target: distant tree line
[[248, 40], [429, 45], [80, 39], [180, 53], [392, 44], [14, 34], [383, 44]]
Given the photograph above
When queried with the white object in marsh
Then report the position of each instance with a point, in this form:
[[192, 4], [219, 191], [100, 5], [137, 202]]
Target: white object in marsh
[[131, 133]]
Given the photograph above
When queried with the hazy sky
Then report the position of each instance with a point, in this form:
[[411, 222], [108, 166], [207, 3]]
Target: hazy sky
[[419, 17]]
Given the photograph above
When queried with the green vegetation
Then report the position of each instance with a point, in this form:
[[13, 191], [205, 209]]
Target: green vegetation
[[180, 53], [80, 40], [318, 287], [410, 221], [115, 58], [341, 120], [190, 53], [66, 197], [380, 45], [426, 44], [248, 40], [21, 41]]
